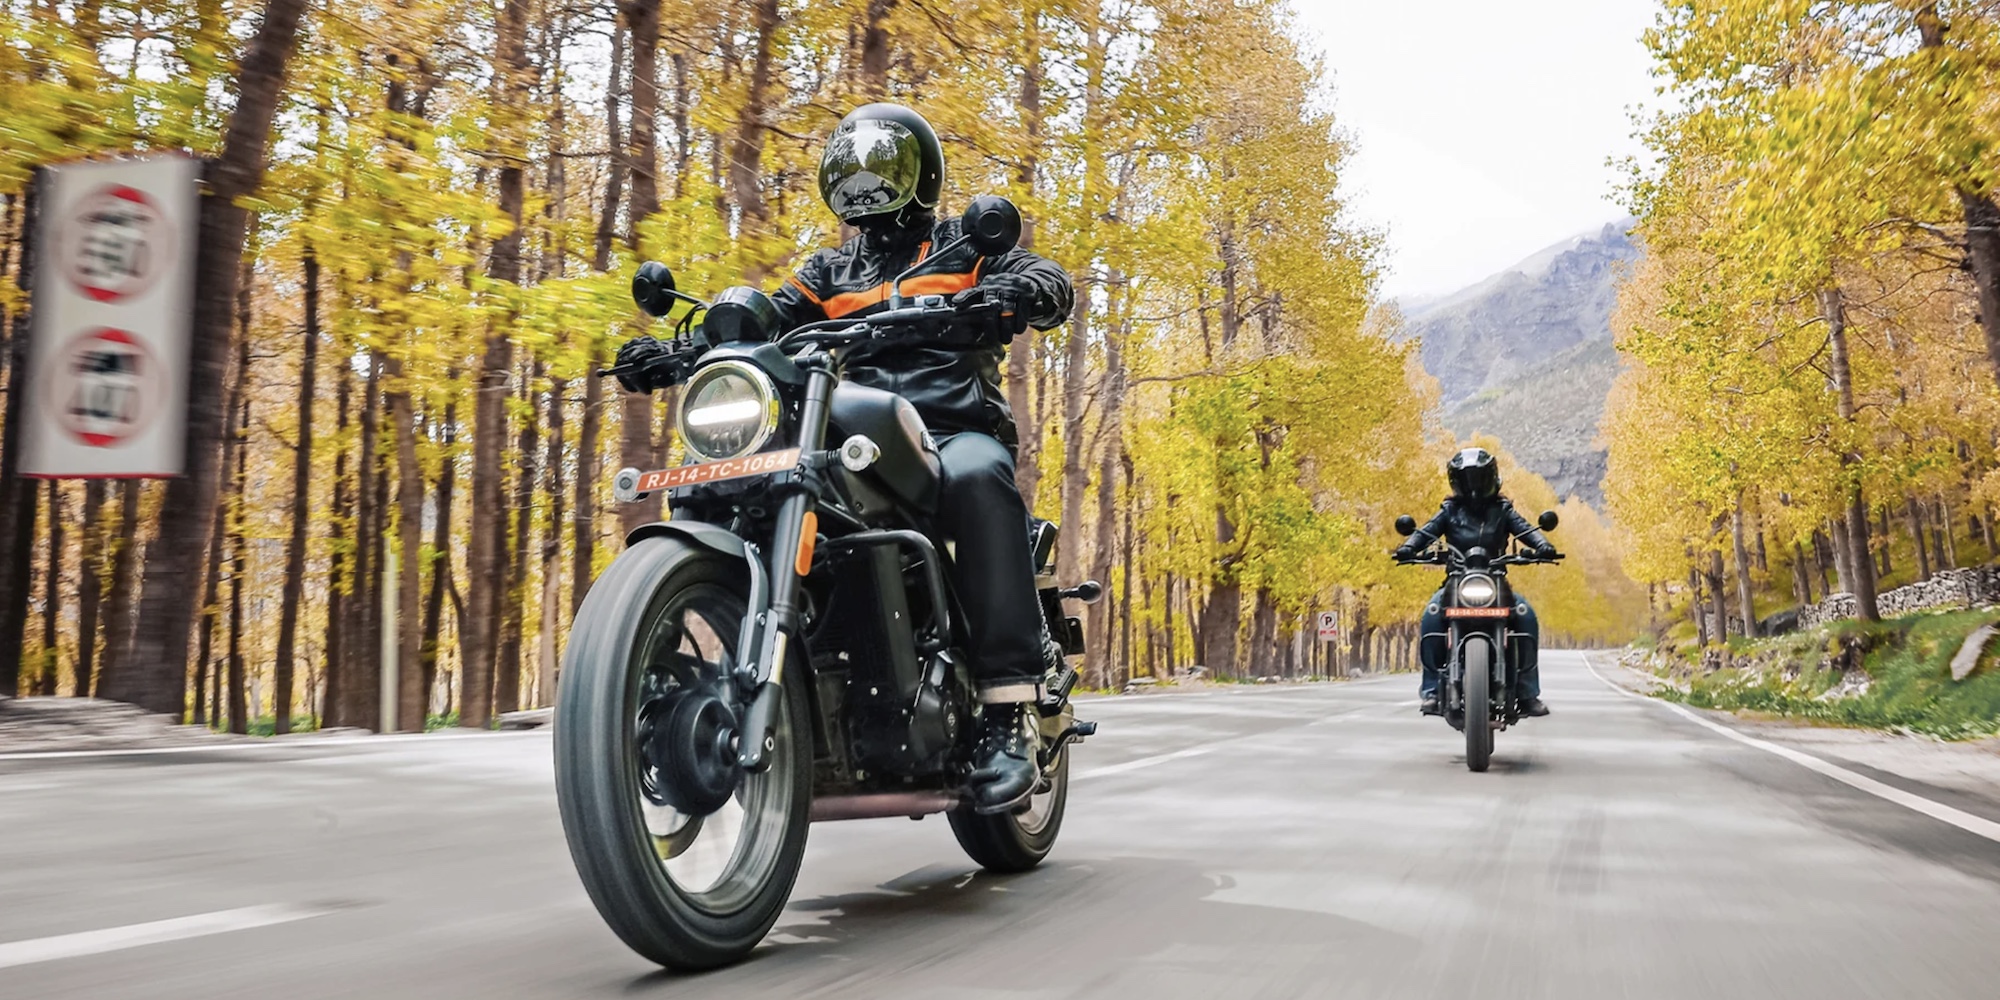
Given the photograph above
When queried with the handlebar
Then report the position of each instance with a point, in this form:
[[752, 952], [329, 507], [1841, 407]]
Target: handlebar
[[831, 332], [1445, 557]]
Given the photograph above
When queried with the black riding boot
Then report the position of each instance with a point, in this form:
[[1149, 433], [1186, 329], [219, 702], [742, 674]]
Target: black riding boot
[[1004, 771]]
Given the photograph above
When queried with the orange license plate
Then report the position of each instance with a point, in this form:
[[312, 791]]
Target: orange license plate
[[715, 472], [1478, 612]]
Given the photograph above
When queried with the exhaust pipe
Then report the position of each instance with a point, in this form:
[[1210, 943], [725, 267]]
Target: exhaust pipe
[[915, 805]]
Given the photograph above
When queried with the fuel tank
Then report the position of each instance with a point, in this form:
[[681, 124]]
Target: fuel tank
[[908, 468]]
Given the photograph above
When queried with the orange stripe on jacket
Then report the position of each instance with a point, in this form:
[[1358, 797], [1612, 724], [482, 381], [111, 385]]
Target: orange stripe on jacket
[[803, 290], [924, 284]]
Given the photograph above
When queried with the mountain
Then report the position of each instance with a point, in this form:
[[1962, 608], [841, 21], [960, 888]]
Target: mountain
[[1526, 355]]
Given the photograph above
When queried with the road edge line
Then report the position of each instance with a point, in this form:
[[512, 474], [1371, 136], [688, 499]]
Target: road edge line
[[83, 944], [1976, 825], [305, 744]]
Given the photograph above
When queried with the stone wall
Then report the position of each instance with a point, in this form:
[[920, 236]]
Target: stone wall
[[1951, 588]]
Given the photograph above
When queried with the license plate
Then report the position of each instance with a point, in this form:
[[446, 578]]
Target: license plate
[[1478, 612], [715, 472]]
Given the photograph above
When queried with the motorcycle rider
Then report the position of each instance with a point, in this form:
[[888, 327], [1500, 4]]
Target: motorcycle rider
[[882, 173], [1476, 514]]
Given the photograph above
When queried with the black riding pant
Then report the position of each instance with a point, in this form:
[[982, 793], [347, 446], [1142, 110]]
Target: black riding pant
[[981, 512]]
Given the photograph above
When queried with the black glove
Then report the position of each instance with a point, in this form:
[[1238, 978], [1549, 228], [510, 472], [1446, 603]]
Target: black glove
[[1545, 551], [1014, 296], [1404, 553], [639, 357]]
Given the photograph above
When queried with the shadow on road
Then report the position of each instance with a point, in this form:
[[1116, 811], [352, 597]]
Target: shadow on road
[[944, 928]]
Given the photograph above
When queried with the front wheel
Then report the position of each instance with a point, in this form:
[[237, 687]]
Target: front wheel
[[1478, 674], [689, 861], [1015, 843]]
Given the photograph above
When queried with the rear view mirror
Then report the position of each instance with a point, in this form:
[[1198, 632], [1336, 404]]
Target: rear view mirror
[[1406, 526], [1549, 520], [653, 289], [992, 225]]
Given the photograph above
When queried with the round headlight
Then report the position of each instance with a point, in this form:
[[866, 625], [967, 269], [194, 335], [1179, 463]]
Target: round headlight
[[1477, 591], [728, 410]]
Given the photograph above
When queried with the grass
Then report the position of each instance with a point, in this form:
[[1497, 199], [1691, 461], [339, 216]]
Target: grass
[[1906, 662]]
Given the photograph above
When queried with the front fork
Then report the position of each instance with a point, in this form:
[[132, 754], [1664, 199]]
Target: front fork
[[1501, 663], [770, 628]]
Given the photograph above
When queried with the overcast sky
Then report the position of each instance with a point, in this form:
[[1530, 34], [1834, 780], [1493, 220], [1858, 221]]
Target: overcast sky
[[1483, 126]]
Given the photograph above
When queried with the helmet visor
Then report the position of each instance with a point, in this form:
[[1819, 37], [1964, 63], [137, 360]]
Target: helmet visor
[[1474, 474], [870, 168]]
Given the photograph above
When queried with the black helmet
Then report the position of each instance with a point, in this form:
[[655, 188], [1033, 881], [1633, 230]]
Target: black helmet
[[882, 160], [1474, 474]]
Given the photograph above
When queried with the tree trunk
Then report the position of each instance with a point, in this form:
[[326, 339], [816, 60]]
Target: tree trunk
[[52, 594], [341, 527], [361, 680], [507, 686], [1263, 635], [1883, 564], [1694, 608], [485, 563], [1029, 427], [584, 529], [239, 704], [1106, 554], [1982, 244], [614, 182], [1834, 311], [1076, 468], [1719, 605], [1916, 514], [166, 607], [583, 544], [636, 447], [412, 697], [1745, 605], [545, 653], [89, 584], [1945, 531], [427, 654], [17, 495], [746, 156], [207, 672], [875, 50], [295, 544], [118, 605]]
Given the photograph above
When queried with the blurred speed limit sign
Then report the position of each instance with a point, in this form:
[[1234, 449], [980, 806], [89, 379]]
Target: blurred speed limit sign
[[1329, 626], [113, 310]]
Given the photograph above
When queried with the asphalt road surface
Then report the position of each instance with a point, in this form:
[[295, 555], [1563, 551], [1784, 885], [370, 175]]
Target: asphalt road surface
[[1315, 842]]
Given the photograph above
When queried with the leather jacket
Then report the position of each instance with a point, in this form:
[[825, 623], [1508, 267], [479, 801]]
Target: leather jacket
[[954, 386], [1487, 524]]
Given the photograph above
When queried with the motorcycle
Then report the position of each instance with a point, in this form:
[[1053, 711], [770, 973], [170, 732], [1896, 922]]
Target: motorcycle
[[787, 648], [1477, 695]]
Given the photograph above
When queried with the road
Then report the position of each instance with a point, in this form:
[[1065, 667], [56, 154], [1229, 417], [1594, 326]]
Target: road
[[1315, 842]]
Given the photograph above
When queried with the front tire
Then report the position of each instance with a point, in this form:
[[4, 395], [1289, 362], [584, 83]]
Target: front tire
[[1478, 674], [1006, 844], [685, 892]]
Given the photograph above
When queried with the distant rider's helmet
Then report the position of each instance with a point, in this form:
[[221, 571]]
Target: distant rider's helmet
[[883, 165], [1474, 474]]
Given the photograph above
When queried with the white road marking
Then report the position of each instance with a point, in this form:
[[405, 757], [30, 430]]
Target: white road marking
[[1134, 765], [1936, 810], [331, 741], [62, 946]]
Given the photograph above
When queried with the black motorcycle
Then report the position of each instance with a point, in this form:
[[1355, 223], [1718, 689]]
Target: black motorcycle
[[1477, 695], [785, 649]]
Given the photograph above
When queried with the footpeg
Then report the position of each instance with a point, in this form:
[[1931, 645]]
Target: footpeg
[[1074, 734], [1089, 592]]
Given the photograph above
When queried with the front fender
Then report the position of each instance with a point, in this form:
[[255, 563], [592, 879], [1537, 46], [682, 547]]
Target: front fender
[[713, 537]]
